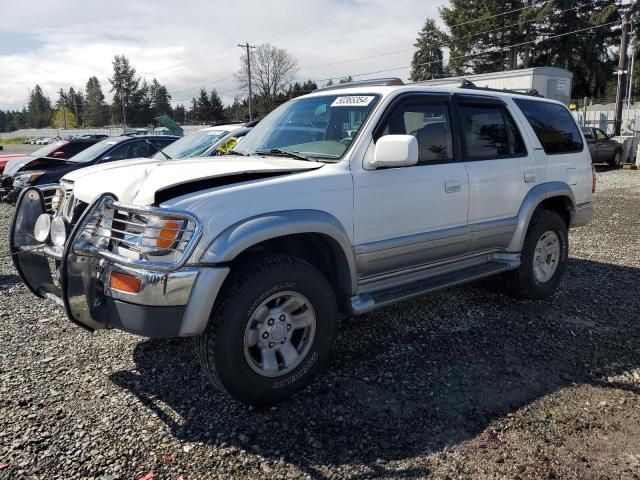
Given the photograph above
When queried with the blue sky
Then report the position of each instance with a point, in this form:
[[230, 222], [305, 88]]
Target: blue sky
[[190, 44]]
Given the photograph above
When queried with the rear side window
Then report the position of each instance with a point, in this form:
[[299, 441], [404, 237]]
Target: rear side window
[[429, 123], [588, 134], [553, 125], [489, 132]]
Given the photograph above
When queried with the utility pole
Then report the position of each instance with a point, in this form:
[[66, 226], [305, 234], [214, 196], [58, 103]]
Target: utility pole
[[248, 47], [622, 73]]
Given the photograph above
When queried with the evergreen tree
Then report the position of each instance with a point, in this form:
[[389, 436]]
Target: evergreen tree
[[160, 99], [427, 62], [216, 108], [39, 109], [126, 90], [76, 101], [96, 112], [180, 114]]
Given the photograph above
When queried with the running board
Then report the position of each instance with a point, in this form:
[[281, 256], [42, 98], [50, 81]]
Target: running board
[[364, 303]]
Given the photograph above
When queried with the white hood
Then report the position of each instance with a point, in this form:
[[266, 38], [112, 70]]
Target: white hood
[[138, 183], [100, 167]]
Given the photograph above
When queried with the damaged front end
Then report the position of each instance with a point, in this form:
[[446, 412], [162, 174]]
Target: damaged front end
[[114, 266]]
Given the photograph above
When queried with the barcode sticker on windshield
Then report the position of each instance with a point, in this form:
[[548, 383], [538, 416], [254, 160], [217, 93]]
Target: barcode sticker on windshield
[[352, 101]]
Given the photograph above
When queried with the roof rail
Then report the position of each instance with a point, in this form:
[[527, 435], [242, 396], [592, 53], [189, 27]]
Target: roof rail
[[468, 84], [375, 82]]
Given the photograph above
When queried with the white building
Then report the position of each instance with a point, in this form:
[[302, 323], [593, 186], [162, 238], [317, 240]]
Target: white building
[[550, 82]]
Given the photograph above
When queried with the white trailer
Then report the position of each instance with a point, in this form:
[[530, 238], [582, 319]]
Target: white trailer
[[550, 82]]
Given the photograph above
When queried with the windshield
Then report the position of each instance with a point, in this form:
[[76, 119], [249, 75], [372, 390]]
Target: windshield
[[93, 152], [192, 145], [320, 127], [47, 149]]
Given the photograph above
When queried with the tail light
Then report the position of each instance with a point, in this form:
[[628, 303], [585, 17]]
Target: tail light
[[594, 180]]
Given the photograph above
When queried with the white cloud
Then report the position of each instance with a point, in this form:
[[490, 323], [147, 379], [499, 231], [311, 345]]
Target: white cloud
[[189, 44]]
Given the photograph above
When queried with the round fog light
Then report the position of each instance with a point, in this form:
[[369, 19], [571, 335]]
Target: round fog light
[[42, 228], [58, 231]]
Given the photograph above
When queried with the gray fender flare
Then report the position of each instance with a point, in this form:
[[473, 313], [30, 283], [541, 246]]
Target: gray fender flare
[[532, 200], [238, 237]]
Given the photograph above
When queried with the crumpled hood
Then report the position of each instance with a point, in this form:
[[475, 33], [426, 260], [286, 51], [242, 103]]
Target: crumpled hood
[[138, 183], [101, 167], [15, 164], [4, 159]]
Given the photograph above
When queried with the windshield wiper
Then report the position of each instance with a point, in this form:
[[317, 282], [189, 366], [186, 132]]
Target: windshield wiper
[[167, 157], [285, 153]]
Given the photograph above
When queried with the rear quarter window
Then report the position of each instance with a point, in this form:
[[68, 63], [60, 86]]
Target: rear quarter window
[[553, 125]]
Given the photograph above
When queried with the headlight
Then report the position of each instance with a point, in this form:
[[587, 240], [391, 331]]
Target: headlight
[[57, 199], [22, 181], [58, 231], [161, 233], [42, 228]]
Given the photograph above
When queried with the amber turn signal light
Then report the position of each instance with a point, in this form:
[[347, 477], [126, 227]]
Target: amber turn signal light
[[168, 234], [124, 282]]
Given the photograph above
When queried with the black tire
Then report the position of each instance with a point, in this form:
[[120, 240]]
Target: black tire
[[616, 161], [522, 283], [221, 348]]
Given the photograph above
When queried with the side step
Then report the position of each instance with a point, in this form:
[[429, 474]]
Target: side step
[[366, 302]]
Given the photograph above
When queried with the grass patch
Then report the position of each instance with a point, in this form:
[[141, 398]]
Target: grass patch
[[13, 140]]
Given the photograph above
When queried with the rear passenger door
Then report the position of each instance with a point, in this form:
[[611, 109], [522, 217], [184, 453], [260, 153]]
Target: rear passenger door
[[501, 169], [606, 146]]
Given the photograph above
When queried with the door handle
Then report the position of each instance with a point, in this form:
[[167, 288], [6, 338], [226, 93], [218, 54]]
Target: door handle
[[452, 186]]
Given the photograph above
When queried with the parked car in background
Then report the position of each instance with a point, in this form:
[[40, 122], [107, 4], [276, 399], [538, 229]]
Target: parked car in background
[[203, 143], [41, 171], [59, 150], [602, 147]]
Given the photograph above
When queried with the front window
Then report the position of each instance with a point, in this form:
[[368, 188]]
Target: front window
[[318, 127], [192, 145]]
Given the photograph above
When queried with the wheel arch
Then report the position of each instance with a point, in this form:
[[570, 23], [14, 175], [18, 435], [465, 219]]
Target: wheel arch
[[555, 196], [313, 235]]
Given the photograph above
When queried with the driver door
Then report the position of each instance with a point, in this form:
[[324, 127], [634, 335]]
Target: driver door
[[411, 216]]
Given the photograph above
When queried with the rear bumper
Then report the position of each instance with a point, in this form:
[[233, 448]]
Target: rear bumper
[[583, 214], [167, 304]]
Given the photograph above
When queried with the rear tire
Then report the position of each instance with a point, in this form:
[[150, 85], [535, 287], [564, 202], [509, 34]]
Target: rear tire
[[271, 331], [616, 161], [543, 259]]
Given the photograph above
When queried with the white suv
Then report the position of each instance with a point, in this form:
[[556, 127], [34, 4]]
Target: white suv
[[355, 196]]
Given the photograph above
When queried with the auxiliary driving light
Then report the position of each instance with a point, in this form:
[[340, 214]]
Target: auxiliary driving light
[[58, 231], [42, 228]]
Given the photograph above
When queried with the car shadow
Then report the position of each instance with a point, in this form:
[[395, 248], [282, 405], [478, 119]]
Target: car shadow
[[412, 379]]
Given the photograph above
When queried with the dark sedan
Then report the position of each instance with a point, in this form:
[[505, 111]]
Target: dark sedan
[[602, 147], [51, 170]]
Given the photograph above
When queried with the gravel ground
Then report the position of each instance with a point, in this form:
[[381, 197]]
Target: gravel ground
[[466, 383]]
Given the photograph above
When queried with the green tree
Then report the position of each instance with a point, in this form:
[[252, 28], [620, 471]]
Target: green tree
[[39, 109], [63, 117], [76, 101], [427, 62], [96, 111], [125, 87], [160, 99], [216, 108]]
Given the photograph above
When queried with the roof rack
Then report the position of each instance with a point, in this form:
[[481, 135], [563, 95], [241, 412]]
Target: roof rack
[[468, 84], [375, 82]]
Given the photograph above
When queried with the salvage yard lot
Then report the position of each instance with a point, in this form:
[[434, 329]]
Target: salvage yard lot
[[463, 383]]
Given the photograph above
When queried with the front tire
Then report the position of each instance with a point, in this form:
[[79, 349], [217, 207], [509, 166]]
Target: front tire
[[543, 259], [271, 331]]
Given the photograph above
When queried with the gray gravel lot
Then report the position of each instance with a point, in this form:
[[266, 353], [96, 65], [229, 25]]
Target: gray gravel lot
[[466, 383]]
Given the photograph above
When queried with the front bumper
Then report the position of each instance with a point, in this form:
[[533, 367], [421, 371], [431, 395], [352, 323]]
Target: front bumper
[[167, 304]]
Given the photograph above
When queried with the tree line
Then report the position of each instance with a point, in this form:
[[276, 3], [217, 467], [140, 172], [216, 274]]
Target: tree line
[[492, 36], [581, 36], [137, 101]]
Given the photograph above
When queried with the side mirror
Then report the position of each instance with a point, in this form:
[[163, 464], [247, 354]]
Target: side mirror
[[394, 151]]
